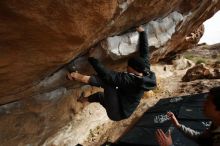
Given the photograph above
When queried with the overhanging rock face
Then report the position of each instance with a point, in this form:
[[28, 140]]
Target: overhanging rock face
[[159, 33], [39, 37]]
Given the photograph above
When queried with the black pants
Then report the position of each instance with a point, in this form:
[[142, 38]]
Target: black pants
[[108, 99]]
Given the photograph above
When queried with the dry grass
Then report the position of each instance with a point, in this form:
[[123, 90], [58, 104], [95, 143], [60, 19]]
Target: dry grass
[[202, 59]]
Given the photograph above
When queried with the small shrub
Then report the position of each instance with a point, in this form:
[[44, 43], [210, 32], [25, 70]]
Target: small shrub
[[189, 56], [199, 61]]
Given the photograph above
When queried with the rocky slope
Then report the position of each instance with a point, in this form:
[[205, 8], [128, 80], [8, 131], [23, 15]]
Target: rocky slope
[[38, 38]]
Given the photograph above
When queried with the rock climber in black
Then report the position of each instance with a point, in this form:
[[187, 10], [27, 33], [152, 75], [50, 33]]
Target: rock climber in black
[[122, 90]]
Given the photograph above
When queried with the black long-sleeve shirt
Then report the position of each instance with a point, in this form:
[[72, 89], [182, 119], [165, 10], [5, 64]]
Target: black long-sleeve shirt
[[130, 86]]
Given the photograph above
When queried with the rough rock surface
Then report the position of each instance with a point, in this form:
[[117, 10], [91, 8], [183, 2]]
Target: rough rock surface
[[46, 34], [39, 37], [159, 31], [200, 71], [182, 63]]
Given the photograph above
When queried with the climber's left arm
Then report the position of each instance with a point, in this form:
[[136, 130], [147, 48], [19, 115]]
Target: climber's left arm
[[79, 77]]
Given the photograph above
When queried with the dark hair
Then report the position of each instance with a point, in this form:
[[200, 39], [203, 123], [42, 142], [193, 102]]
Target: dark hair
[[215, 93], [137, 63]]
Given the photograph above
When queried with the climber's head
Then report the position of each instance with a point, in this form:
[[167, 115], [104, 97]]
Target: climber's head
[[136, 64]]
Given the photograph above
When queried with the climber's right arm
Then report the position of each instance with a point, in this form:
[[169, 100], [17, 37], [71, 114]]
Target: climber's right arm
[[143, 46]]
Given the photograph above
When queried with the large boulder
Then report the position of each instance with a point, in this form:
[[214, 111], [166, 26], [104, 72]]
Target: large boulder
[[38, 39], [199, 71]]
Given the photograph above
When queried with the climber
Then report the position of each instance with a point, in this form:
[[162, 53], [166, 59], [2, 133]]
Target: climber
[[210, 137], [122, 90]]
